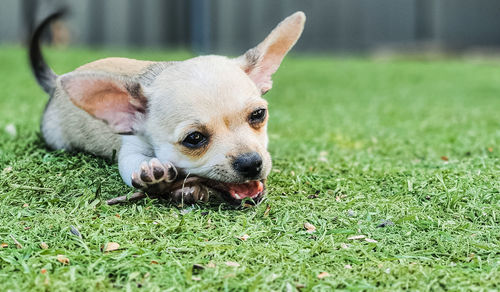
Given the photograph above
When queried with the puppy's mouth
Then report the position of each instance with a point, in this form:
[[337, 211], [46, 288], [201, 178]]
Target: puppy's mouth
[[235, 193]]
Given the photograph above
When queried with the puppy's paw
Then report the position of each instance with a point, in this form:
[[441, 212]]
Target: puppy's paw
[[154, 177], [190, 194]]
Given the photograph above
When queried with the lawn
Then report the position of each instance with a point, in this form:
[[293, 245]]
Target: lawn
[[395, 162]]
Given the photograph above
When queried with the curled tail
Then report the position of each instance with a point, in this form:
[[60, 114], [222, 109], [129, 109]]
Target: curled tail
[[43, 74]]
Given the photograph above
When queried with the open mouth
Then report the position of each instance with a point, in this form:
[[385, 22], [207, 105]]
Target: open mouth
[[235, 193]]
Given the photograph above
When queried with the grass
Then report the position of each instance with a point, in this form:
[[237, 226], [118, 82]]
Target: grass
[[355, 142]]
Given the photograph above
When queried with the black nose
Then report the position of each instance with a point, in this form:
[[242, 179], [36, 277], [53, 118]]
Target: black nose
[[248, 165]]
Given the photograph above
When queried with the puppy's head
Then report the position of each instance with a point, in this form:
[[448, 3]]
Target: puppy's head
[[205, 115]]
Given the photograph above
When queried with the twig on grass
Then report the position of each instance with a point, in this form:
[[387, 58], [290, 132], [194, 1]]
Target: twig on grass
[[124, 199]]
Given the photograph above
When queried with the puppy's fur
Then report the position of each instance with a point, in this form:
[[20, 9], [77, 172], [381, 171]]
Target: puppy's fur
[[153, 112]]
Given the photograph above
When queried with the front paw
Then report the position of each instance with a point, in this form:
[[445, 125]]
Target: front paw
[[154, 178]]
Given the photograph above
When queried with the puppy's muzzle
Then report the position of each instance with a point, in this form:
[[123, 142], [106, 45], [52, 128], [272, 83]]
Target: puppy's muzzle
[[248, 165]]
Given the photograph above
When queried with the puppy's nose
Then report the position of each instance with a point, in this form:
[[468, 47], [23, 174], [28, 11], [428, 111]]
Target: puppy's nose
[[248, 165]]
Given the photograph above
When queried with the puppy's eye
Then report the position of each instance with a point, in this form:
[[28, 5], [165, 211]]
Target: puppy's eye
[[257, 116], [194, 140]]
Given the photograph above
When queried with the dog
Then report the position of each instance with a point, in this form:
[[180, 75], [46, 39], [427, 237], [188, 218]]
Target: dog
[[203, 118]]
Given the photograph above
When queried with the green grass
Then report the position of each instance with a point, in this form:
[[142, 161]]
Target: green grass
[[367, 137]]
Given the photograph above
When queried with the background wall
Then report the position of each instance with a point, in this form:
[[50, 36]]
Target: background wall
[[231, 26]]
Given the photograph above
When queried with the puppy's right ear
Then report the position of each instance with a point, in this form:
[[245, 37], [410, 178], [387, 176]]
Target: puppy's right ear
[[118, 102], [262, 61]]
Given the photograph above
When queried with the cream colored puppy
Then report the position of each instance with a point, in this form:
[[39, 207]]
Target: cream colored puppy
[[204, 115]]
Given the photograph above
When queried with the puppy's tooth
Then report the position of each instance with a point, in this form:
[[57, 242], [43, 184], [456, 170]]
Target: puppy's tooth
[[237, 196]]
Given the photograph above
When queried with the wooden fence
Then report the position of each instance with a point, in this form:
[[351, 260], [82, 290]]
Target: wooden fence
[[235, 25]]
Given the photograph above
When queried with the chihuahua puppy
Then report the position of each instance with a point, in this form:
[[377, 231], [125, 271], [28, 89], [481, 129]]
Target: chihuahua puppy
[[203, 117]]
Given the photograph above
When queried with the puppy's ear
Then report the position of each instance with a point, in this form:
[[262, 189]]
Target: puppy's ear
[[118, 102], [262, 61]]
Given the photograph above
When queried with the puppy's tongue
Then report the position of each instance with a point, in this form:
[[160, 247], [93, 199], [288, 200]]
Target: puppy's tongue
[[246, 190]]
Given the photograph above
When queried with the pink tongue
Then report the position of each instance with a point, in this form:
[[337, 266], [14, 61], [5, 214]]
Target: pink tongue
[[246, 190]]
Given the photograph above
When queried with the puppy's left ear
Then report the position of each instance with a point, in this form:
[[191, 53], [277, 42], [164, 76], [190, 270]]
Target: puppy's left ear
[[262, 61], [118, 102]]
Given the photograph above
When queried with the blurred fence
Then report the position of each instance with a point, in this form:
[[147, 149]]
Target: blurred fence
[[235, 25]]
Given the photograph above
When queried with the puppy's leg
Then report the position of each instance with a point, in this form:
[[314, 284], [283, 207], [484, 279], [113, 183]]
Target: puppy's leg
[[140, 169]]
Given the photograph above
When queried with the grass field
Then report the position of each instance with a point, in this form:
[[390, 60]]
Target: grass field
[[403, 152]]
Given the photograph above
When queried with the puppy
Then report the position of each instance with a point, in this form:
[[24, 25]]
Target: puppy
[[204, 115]]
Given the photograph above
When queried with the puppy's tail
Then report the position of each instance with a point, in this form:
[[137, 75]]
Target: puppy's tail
[[43, 74]]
